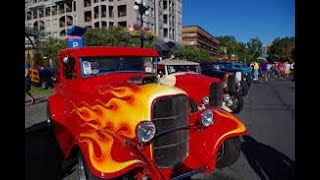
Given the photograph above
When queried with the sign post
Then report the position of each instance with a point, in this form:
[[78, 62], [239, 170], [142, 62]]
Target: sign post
[[75, 38]]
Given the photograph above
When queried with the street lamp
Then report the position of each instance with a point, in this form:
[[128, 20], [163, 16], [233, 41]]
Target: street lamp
[[143, 9]]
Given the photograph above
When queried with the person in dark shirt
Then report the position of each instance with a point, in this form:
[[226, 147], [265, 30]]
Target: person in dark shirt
[[263, 70], [27, 82]]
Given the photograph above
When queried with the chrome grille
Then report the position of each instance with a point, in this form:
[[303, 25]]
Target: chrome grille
[[215, 98], [170, 113]]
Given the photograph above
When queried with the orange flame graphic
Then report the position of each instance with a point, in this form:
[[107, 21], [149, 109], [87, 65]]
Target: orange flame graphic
[[118, 115]]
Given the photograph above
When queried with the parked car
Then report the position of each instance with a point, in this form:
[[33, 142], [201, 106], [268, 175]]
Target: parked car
[[232, 87], [117, 121], [242, 81]]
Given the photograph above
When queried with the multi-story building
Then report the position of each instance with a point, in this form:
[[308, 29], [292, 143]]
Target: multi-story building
[[56, 16], [195, 36]]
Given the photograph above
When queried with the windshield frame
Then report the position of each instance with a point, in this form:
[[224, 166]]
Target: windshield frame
[[126, 59]]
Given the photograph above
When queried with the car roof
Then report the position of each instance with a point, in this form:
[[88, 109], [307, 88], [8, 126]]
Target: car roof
[[110, 51], [176, 62]]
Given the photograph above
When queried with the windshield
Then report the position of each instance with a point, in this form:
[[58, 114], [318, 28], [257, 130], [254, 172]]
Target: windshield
[[101, 65], [182, 68]]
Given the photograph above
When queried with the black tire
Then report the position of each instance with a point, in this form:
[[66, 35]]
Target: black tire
[[228, 153], [237, 102], [245, 88]]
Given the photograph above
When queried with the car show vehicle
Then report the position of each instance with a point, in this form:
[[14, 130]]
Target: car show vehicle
[[243, 81], [117, 121], [231, 85]]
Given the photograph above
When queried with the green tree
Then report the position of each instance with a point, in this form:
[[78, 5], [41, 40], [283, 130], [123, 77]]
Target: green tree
[[113, 36], [193, 54], [232, 46], [282, 49], [52, 46], [254, 48]]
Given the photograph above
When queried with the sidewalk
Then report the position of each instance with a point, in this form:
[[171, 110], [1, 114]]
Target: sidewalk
[[37, 112]]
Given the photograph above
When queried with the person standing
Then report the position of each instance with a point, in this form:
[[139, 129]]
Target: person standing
[[27, 82], [263, 70], [256, 71]]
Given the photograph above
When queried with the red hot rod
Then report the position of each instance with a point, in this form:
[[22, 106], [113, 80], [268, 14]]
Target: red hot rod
[[118, 121]]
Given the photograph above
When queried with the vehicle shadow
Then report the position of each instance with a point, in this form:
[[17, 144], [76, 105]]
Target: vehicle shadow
[[42, 153], [266, 161]]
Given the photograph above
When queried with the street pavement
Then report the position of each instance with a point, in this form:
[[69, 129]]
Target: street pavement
[[267, 152]]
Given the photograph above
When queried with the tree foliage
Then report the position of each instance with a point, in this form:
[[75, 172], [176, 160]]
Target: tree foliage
[[254, 48], [113, 36], [52, 46], [193, 54], [232, 46], [282, 49]]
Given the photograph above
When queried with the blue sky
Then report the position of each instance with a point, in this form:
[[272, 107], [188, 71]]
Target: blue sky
[[243, 19]]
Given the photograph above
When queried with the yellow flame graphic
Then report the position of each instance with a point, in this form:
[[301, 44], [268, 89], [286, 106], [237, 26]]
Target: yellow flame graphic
[[118, 115]]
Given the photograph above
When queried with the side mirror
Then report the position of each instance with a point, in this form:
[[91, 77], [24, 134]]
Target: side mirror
[[65, 60]]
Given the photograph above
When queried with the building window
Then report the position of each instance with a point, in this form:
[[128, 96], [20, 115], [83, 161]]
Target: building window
[[165, 32], [111, 13], [74, 5], [54, 10], [122, 10], [96, 25], [35, 25], [35, 14], [55, 22], [103, 11], [87, 16], [68, 7], [103, 24], [96, 12], [69, 20], [95, 1], [61, 9], [29, 16], [165, 5], [122, 23], [41, 13], [62, 22], [41, 25], [87, 3], [47, 11], [111, 24], [165, 19]]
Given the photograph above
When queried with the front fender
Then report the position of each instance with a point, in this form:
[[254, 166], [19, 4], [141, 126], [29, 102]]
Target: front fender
[[109, 156], [208, 140]]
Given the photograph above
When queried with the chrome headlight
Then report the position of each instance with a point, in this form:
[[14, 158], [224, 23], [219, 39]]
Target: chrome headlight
[[226, 97], [205, 100], [207, 118], [146, 131]]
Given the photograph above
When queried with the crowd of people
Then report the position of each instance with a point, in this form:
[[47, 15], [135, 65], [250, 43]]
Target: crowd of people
[[263, 70]]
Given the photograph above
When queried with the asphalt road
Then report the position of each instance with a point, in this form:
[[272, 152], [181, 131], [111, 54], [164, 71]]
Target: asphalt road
[[267, 152]]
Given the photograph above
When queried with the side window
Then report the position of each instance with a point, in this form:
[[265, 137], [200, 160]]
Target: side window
[[69, 71]]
